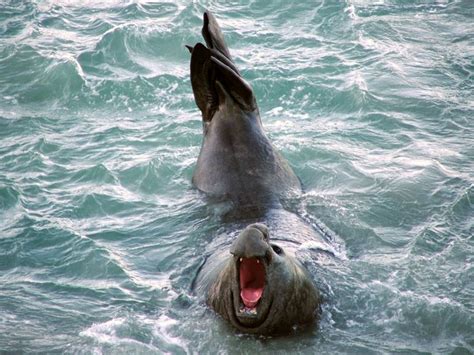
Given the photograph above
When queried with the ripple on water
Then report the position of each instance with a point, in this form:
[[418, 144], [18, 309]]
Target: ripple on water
[[15, 17], [97, 174], [136, 333], [130, 50], [32, 77], [101, 233], [59, 251], [8, 197]]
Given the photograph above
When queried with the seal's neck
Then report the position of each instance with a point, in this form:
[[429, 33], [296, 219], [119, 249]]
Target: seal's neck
[[243, 209]]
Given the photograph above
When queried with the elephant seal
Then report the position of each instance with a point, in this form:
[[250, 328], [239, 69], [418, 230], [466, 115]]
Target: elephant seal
[[254, 278], [236, 160], [257, 285]]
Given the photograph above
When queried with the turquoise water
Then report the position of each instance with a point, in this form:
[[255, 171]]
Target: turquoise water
[[101, 232]]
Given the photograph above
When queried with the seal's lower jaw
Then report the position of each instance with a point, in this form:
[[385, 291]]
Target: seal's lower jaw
[[251, 304]]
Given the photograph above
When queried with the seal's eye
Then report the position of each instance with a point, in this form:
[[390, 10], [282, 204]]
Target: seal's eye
[[277, 249]]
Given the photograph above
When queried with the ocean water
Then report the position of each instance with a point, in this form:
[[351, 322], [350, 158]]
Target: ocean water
[[102, 233]]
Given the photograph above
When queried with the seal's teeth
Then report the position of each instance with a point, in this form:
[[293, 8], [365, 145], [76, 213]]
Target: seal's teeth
[[240, 259], [258, 261]]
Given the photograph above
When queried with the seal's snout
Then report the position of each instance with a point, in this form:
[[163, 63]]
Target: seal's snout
[[251, 251], [253, 242]]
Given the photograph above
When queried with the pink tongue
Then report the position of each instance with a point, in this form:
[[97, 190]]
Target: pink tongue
[[250, 296]]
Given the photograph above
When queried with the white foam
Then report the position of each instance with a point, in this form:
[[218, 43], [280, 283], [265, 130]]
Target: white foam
[[161, 330], [114, 332]]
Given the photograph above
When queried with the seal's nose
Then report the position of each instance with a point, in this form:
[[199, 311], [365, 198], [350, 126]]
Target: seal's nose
[[253, 242]]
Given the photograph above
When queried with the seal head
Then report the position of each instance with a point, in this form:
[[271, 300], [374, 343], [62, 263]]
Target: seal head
[[262, 289]]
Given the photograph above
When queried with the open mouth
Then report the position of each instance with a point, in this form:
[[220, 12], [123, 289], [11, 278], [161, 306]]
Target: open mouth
[[252, 283]]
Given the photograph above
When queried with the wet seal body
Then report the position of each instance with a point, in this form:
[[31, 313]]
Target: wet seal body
[[236, 160], [257, 285]]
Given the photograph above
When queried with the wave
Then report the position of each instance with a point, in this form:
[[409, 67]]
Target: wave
[[30, 77]]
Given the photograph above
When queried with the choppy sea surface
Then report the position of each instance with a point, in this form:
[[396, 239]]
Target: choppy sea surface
[[101, 231]]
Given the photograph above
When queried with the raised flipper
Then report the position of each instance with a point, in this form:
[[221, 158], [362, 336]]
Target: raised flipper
[[235, 85], [203, 76], [213, 65], [213, 35]]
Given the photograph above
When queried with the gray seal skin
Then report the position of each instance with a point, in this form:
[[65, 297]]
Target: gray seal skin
[[287, 297], [258, 285], [236, 160]]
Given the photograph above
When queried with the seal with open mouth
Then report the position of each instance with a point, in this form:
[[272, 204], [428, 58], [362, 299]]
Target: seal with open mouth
[[260, 286]]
